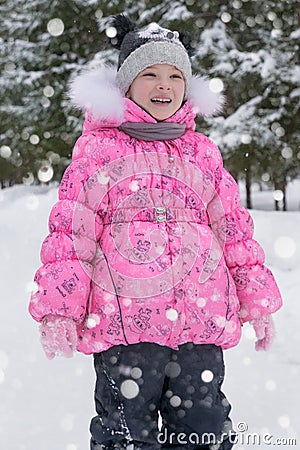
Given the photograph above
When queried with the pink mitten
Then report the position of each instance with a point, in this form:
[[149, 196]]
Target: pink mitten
[[58, 336], [265, 332]]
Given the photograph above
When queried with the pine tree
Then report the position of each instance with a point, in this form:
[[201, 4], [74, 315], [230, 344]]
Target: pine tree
[[258, 133], [281, 100], [42, 44], [246, 45], [251, 46]]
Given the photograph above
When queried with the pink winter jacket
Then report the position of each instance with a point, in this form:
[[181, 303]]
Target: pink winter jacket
[[148, 240]]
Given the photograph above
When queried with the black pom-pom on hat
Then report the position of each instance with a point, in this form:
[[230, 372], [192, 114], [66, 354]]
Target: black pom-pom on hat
[[123, 26], [187, 42], [144, 47]]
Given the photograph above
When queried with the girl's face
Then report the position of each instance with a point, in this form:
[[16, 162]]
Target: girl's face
[[159, 90]]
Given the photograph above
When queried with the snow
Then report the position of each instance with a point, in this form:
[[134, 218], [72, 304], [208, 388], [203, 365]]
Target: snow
[[176, 11], [47, 405]]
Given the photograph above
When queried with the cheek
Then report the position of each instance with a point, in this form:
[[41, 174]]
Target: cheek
[[179, 89], [136, 92], [180, 94]]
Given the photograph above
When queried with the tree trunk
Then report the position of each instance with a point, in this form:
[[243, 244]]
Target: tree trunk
[[248, 188], [280, 185]]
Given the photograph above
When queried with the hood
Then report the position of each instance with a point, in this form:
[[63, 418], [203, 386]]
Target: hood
[[95, 91]]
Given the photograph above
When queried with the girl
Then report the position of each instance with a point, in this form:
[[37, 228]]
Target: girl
[[150, 263]]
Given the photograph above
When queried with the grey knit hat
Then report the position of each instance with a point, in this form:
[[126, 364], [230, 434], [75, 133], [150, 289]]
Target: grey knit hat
[[150, 45]]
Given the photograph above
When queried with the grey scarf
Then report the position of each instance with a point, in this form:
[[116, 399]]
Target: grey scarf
[[160, 131]]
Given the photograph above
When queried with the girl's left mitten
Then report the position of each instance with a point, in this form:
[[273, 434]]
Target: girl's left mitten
[[265, 332], [58, 336]]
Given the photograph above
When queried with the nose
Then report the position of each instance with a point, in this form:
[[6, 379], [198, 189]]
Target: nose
[[163, 85]]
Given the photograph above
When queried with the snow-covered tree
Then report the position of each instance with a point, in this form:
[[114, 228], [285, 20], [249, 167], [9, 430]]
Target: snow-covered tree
[[42, 43], [253, 48], [250, 46]]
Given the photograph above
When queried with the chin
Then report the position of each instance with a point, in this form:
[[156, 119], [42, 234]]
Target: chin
[[160, 115], [159, 118]]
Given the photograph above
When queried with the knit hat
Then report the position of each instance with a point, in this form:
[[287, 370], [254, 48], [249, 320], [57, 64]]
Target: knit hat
[[150, 45]]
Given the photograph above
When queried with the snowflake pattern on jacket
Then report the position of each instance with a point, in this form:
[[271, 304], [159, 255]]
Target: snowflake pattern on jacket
[[149, 242]]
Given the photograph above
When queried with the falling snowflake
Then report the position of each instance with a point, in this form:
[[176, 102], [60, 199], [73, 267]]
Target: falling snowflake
[[207, 376], [55, 27], [129, 389]]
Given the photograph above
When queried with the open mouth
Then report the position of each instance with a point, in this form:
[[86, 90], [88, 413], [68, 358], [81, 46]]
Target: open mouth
[[160, 100]]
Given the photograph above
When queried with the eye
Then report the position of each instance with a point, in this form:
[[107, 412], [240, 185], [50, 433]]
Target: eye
[[177, 76], [149, 74]]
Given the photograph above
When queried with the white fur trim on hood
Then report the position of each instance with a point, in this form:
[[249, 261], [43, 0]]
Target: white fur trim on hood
[[95, 90], [203, 99]]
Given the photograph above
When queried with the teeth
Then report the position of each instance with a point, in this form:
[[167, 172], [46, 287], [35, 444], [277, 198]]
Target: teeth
[[161, 100]]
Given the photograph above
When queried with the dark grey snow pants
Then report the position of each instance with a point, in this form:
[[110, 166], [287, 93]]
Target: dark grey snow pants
[[136, 383]]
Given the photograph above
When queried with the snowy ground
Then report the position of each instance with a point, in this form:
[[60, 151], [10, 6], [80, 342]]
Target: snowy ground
[[47, 405]]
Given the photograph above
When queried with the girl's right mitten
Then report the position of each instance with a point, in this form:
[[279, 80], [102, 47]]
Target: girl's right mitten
[[58, 336]]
